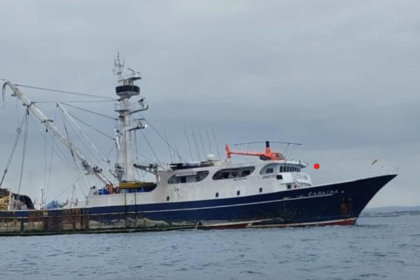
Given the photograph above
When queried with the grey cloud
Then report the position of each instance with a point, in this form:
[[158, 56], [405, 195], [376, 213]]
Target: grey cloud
[[341, 77]]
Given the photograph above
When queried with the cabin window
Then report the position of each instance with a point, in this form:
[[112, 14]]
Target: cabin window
[[289, 187], [238, 192], [188, 177], [261, 189], [233, 173], [268, 169], [281, 169], [279, 177], [167, 198], [217, 194]]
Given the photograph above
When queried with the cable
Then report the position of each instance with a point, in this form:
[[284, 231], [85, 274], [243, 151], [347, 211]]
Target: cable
[[162, 137], [65, 92], [9, 161], [88, 125], [217, 145], [51, 160], [74, 101], [169, 149], [67, 188], [208, 139], [89, 111], [196, 145], [188, 142], [152, 149], [25, 142], [62, 156], [202, 143]]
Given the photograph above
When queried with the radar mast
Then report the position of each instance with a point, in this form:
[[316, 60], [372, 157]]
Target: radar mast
[[127, 124]]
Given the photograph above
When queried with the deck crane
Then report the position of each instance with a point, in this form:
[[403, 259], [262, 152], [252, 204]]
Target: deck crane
[[87, 166]]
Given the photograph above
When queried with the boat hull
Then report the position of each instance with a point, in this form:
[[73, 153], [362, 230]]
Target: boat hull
[[333, 204]]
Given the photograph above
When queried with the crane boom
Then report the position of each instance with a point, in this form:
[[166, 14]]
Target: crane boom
[[95, 170]]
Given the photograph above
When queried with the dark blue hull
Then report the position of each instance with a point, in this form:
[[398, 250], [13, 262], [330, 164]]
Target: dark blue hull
[[339, 203]]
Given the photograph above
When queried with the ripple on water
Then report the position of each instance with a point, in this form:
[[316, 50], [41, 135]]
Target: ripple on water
[[377, 248]]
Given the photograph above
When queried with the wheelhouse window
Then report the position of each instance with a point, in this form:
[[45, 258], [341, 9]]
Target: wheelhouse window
[[232, 173], [188, 177], [268, 169], [289, 168]]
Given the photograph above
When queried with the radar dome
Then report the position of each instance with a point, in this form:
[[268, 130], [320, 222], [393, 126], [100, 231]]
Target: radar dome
[[211, 157]]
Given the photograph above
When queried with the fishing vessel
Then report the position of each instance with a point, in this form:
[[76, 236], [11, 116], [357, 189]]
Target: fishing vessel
[[214, 193]]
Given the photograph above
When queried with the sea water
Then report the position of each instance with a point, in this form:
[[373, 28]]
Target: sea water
[[384, 247]]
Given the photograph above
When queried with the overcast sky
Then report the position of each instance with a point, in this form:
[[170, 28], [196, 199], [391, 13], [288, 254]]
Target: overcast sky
[[341, 77]]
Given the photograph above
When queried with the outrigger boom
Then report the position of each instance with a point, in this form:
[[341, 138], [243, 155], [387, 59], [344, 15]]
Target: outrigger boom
[[30, 106]]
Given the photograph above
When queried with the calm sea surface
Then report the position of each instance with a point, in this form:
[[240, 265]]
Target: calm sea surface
[[377, 248]]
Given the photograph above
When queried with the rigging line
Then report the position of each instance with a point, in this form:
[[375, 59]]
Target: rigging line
[[89, 111], [178, 153], [65, 91], [217, 145], [51, 159], [72, 153], [25, 143], [88, 139], [202, 144], [88, 125], [74, 101], [45, 166], [169, 149], [137, 155], [208, 139], [9, 160], [152, 161], [68, 139], [85, 145], [188, 142], [196, 145], [62, 156], [160, 135], [17, 112], [151, 149], [72, 184]]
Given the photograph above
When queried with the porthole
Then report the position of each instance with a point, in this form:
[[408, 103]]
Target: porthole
[[167, 198], [217, 194], [238, 192], [261, 189]]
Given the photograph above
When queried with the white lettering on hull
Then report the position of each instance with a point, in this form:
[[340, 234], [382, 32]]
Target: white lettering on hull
[[318, 193]]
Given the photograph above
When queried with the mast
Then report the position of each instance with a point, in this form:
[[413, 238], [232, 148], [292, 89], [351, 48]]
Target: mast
[[87, 166], [126, 89]]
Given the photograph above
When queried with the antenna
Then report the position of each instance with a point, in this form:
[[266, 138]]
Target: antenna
[[202, 143], [118, 66], [188, 142], [217, 145]]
